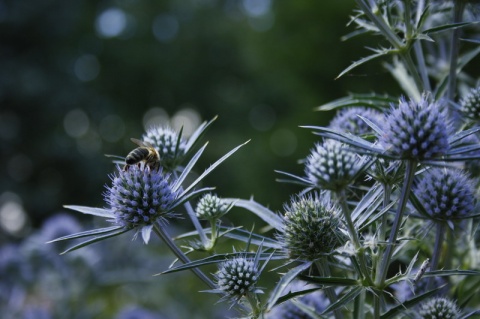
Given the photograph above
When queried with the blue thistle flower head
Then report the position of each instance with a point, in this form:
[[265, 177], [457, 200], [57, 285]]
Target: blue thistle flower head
[[439, 308], [347, 120], [446, 193], [416, 130], [470, 104], [332, 166], [170, 146], [139, 196], [312, 228], [237, 277]]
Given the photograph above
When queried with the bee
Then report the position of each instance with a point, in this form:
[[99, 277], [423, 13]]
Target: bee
[[144, 153], [421, 271]]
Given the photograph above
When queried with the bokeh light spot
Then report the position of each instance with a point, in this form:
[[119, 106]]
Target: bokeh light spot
[[165, 27], [86, 67], [112, 128], [283, 142], [76, 123], [111, 23], [187, 118], [155, 116], [256, 8], [13, 218]]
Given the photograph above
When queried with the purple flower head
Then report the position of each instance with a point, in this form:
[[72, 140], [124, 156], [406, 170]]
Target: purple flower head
[[165, 140], [470, 104], [312, 228], [139, 196], [331, 166], [446, 193], [416, 130], [347, 120], [439, 308]]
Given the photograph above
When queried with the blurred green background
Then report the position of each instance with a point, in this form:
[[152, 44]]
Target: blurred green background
[[79, 78]]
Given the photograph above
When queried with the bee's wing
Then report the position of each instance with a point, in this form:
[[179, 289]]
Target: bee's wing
[[141, 143]]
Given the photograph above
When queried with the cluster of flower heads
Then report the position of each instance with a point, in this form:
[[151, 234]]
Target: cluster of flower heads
[[446, 193], [416, 130], [332, 166], [313, 228], [170, 146], [139, 196], [350, 120]]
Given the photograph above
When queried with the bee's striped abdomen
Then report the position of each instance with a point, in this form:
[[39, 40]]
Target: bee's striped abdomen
[[137, 155]]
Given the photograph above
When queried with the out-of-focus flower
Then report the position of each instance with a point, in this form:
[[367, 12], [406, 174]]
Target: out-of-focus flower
[[349, 120], [439, 308]]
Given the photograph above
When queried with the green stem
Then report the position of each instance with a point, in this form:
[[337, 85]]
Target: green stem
[[359, 250], [387, 256], [162, 233], [437, 251], [324, 270], [196, 223], [454, 49]]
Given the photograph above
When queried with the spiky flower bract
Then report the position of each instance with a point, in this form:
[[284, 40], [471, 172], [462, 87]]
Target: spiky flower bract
[[470, 104], [237, 277], [436, 308], [211, 207], [416, 130], [170, 146], [139, 196], [446, 193], [331, 166], [312, 228], [288, 310], [348, 120]]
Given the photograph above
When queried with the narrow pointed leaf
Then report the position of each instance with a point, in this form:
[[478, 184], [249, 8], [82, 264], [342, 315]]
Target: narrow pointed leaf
[[446, 27], [364, 60], [344, 300], [102, 212], [261, 211], [218, 258], [379, 102], [95, 239], [397, 310], [213, 166], [184, 197], [195, 137], [178, 182], [284, 282], [88, 233], [307, 310]]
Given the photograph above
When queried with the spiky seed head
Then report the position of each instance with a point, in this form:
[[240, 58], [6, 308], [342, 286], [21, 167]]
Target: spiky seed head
[[211, 207], [331, 166], [347, 120], [436, 308], [139, 196], [237, 277], [446, 193], [165, 141], [470, 104], [312, 228], [416, 130]]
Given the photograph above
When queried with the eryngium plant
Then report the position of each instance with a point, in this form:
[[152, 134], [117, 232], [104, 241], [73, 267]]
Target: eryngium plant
[[378, 171]]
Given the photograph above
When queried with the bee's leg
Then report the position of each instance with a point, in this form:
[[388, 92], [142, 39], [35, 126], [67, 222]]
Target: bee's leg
[[125, 168]]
